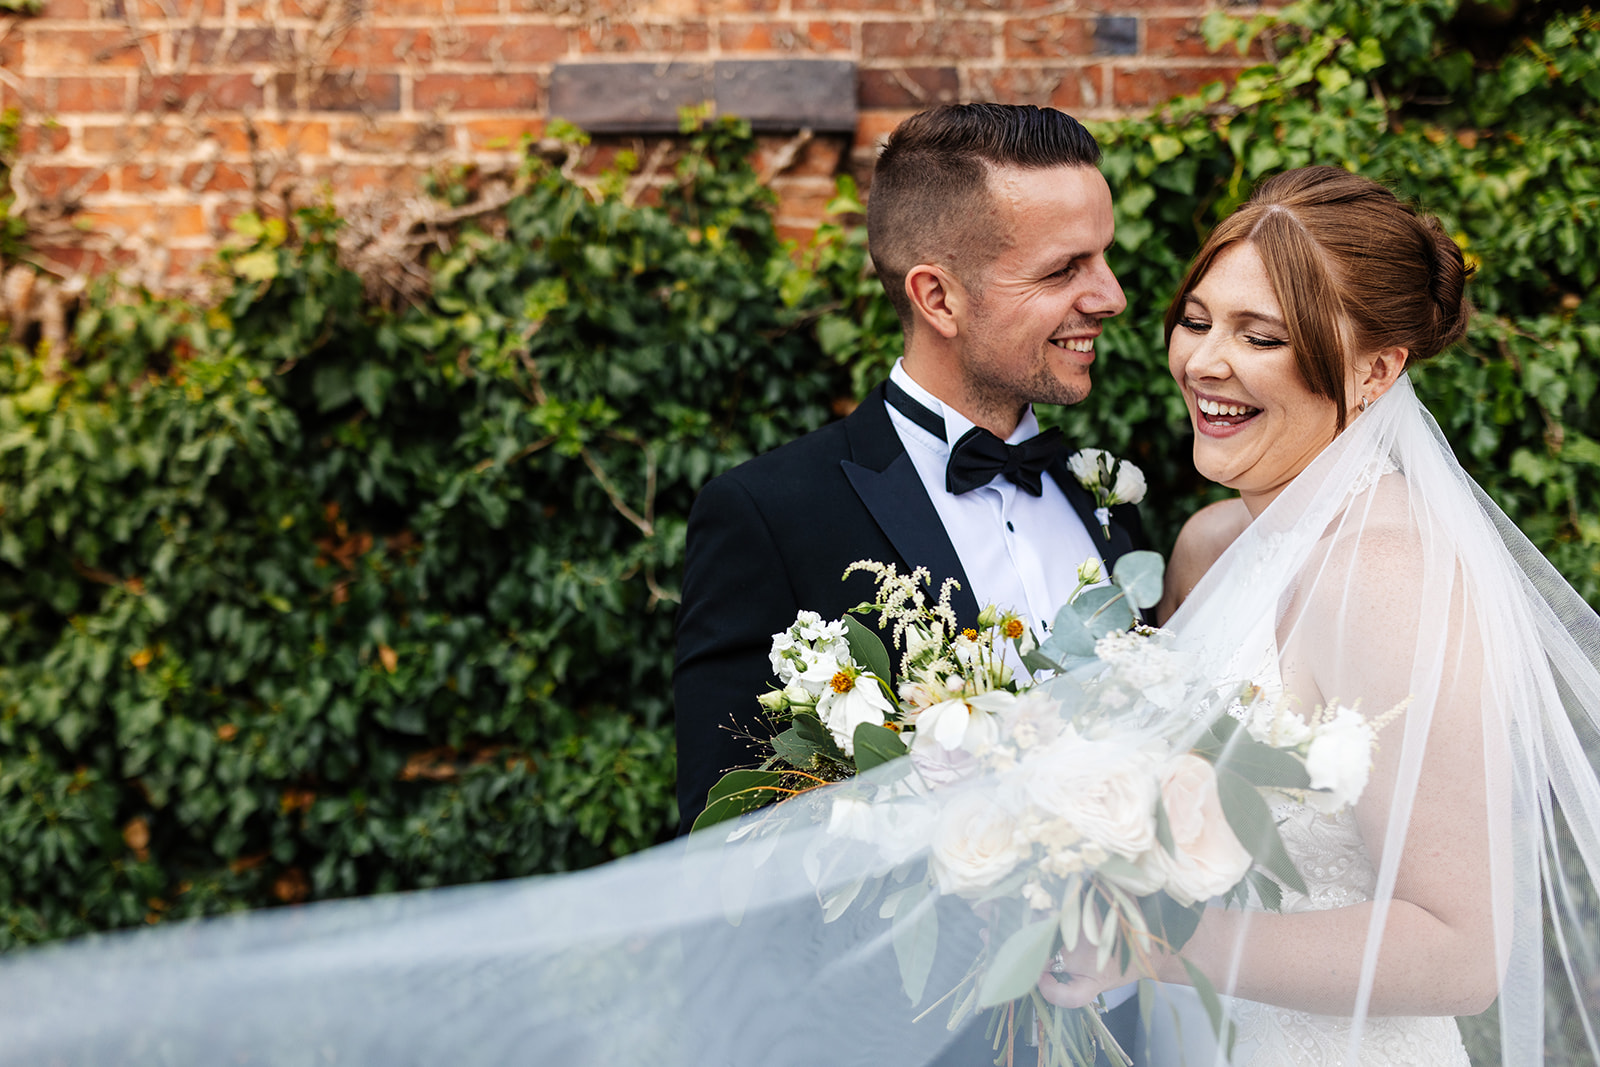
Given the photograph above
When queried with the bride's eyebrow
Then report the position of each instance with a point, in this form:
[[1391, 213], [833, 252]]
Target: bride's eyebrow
[[1245, 318]]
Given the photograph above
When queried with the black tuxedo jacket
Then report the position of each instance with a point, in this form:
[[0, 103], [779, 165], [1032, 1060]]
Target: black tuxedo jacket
[[773, 537]]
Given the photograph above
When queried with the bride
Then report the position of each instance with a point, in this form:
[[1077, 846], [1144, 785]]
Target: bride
[[1359, 563]]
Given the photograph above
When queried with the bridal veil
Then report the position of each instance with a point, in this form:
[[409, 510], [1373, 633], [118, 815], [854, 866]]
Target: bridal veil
[[1382, 572]]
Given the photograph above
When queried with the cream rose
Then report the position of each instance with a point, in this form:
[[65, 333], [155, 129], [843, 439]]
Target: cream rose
[[1206, 859], [976, 844], [1107, 792]]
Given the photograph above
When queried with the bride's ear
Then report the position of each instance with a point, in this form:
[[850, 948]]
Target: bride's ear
[[938, 299], [1377, 372]]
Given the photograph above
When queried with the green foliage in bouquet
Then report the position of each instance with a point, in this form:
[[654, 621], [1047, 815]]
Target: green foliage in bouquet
[[302, 598]]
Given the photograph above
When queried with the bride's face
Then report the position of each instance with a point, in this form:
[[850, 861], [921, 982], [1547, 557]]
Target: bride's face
[[1256, 422]]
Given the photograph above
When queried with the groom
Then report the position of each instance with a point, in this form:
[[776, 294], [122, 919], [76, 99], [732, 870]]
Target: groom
[[988, 225]]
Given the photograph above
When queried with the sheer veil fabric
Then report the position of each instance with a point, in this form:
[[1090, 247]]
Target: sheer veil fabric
[[1386, 576]]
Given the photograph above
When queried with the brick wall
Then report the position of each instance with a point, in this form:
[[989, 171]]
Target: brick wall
[[149, 124]]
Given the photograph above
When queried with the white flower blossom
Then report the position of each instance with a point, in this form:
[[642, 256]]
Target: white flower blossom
[[1340, 756], [976, 844], [848, 704]]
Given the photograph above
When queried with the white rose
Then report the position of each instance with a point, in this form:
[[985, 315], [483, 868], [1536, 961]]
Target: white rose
[[1089, 572], [1340, 757], [1206, 859], [1085, 466], [975, 845], [1130, 484], [940, 766], [1105, 791]]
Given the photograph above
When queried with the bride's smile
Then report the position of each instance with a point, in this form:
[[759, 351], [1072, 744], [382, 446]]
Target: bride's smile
[[1257, 423]]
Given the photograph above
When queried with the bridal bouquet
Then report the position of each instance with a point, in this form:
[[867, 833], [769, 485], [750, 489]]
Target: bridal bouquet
[[1098, 809]]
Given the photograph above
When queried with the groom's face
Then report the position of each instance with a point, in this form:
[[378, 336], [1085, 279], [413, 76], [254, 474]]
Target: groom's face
[[1036, 307]]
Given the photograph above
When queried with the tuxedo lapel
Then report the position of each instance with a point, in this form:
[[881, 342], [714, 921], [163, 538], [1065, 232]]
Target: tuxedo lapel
[[887, 482]]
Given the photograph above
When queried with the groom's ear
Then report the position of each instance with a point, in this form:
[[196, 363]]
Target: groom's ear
[[1375, 374], [937, 298]]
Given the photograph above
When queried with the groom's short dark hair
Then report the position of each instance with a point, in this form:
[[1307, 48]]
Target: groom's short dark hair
[[929, 201]]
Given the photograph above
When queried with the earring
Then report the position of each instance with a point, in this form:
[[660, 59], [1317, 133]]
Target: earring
[[1364, 405]]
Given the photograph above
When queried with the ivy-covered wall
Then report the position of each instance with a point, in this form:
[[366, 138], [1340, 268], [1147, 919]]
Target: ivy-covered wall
[[304, 597]]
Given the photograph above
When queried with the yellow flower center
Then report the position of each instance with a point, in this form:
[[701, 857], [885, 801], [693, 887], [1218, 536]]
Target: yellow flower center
[[970, 634], [843, 683], [1012, 628]]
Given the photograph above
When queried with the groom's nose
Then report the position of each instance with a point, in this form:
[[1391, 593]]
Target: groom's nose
[[1102, 295]]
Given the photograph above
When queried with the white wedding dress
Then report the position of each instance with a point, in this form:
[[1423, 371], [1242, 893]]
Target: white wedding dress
[[1328, 852]]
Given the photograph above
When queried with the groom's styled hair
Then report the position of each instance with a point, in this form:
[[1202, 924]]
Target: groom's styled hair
[[929, 201]]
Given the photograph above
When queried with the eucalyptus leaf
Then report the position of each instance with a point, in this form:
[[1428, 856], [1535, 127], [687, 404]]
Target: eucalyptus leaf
[[1139, 575], [876, 745], [1017, 965], [915, 934], [1252, 823]]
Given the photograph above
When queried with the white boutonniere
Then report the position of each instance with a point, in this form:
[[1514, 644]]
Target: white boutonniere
[[1110, 480]]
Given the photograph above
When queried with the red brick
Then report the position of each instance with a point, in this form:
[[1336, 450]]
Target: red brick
[[1051, 86], [1128, 7], [522, 43], [219, 92], [1052, 37], [802, 199], [784, 36], [52, 182], [500, 135], [818, 158], [250, 44], [477, 92], [382, 46], [1182, 37], [837, 7], [36, 139], [925, 40], [745, 7], [676, 38], [352, 91], [357, 177], [215, 178], [75, 9], [296, 137], [58, 48], [175, 10], [392, 136], [142, 178], [1149, 86], [438, 10], [909, 87], [189, 263], [55, 95], [874, 126]]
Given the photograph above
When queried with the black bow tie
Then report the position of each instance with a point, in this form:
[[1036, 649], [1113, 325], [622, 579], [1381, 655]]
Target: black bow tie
[[979, 455]]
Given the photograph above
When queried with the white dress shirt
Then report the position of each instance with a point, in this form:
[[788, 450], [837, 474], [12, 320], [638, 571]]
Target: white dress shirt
[[1021, 552]]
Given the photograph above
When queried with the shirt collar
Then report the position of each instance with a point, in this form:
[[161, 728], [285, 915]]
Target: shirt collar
[[955, 423]]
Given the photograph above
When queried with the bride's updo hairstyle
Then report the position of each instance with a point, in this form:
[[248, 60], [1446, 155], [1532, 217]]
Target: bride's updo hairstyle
[[1355, 269]]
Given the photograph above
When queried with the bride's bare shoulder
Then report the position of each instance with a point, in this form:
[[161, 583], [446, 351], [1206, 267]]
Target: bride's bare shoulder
[[1206, 535]]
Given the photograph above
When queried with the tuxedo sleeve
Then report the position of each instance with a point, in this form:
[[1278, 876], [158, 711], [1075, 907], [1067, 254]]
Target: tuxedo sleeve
[[736, 595]]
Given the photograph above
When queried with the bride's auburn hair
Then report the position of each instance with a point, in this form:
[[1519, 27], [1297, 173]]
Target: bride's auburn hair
[[1354, 268]]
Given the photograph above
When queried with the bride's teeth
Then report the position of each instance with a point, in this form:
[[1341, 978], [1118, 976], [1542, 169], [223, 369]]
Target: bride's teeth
[[1220, 410]]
